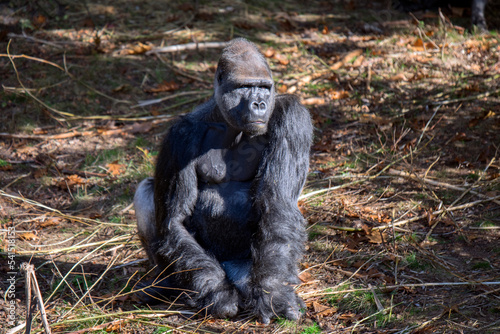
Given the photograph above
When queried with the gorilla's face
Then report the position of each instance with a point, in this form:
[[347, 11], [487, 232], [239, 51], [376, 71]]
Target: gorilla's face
[[247, 105], [244, 89]]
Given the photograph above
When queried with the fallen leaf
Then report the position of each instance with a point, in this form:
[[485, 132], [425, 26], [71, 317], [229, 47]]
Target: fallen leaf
[[165, 86], [306, 277], [371, 118], [313, 101], [75, 179], [350, 57], [283, 60], [28, 236], [337, 94], [399, 77], [115, 169], [347, 316], [70, 181], [52, 221], [140, 127], [323, 310], [377, 237]]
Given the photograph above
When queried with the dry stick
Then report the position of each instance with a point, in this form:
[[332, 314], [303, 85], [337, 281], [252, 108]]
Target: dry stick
[[90, 289], [34, 39], [145, 103], [188, 46], [99, 327], [63, 280], [32, 285], [406, 221], [124, 313], [458, 305], [65, 70], [468, 98], [189, 76], [62, 113], [82, 220], [437, 183], [414, 151], [465, 192], [48, 137], [401, 286]]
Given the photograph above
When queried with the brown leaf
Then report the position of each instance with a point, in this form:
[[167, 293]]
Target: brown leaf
[[337, 94], [283, 60], [269, 52], [115, 169], [399, 77], [323, 310], [165, 86], [377, 237], [306, 277], [371, 118], [75, 179], [282, 89], [139, 48], [70, 181], [313, 101], [347, 316], [352, 55], [28, 236], [140, 127], [52, 221]]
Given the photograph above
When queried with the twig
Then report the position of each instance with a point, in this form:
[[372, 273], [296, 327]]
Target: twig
[[48, 137], [104, 326], [16, 329], [437, 183], [178, 71], [145, 103], [400, 286], [468, 98], [32, 286], [406, 221], [188, 46], [63, 215], [34, 39], [16, 179], [62, 113]]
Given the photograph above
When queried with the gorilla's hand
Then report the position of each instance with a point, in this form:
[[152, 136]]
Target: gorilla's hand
[[276, 300], [221, 302]]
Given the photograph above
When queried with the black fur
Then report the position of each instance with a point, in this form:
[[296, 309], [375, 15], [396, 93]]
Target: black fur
[[227, 228], [477, 8]]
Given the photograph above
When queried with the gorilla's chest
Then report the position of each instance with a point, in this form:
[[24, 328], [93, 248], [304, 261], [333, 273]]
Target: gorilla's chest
[[223, 160], [225, 170]]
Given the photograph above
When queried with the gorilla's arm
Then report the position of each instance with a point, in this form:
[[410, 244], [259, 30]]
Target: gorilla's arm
[[281, 233], [178, 250]]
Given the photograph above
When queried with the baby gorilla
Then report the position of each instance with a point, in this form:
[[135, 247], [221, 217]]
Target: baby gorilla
[[220, 218]]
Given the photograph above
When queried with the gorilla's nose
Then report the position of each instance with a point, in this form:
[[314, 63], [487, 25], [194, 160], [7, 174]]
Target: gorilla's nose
[[258, 108]]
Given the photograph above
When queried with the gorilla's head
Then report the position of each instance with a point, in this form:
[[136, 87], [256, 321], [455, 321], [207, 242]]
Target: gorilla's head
[[244, 87]]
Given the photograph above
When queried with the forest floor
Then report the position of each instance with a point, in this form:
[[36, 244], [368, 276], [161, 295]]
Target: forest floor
[[403, 195]]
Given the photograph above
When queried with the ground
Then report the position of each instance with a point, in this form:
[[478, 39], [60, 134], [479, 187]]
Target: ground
[[403, 194]]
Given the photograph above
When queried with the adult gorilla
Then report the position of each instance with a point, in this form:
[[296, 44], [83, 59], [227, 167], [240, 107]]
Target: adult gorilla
[[220, 218]]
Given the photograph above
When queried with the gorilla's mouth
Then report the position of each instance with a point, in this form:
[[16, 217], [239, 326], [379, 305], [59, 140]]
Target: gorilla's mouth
[[258, 123]]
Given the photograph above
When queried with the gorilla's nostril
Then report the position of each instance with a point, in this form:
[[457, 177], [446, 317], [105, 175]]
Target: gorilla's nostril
[[262, 106]]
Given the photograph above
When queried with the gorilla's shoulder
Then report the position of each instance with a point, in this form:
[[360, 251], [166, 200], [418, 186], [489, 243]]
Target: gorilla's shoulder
[[185, 136], [289, 112]]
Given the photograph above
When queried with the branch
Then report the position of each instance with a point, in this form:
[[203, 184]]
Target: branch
[[189, 46]]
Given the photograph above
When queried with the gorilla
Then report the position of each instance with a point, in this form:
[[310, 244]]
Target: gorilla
[[220, 220], [477, 8]]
